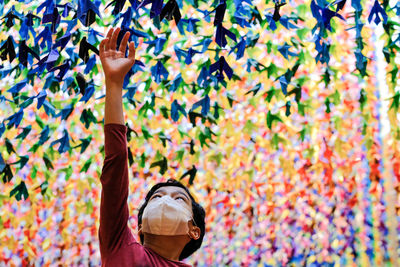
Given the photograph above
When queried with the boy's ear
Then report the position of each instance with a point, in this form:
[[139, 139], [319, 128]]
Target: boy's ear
[[195, 233]]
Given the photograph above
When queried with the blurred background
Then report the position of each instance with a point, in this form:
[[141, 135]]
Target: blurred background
[[282, 118]]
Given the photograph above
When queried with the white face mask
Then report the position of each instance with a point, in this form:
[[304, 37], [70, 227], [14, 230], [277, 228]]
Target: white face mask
[[166, 216]]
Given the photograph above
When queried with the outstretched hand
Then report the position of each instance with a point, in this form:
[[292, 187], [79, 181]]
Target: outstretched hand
[[115, 64]]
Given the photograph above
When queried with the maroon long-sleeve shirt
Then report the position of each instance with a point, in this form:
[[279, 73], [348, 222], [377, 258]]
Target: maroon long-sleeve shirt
[[118, 247]]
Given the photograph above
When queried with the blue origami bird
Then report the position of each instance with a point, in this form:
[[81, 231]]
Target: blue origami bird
[[175, 83], [156, 7], [66, 9], [324, 15], [240, 47], [221, 66], [48, 4], [64, 142], [24, 50], [159, 70], [187, 54], [54, 18], [190, 23], [47, 37], [204, 103], [15, 119], [175, 109], [87, 11], [221, 34], [205, 43], [27, 25], [284, 50], [10, 16], [376, 10], [171, 11], [63, 69], [220, 12], [202, 79], [8, 49], [157, 43], [119, 5]]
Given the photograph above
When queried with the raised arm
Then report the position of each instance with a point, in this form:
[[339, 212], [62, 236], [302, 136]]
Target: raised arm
[[114, 213], [115, 67]]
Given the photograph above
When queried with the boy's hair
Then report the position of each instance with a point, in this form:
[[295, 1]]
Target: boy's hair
[[199, 215]]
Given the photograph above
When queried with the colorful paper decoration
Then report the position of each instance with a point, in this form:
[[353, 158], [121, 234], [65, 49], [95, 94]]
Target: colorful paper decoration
[[269, 111]]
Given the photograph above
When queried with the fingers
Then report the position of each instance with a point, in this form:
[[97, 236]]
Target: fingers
[[122, 46], [109, 34], [132, 51], [102, 47], [113, 40], [107, 44], [110, 43]]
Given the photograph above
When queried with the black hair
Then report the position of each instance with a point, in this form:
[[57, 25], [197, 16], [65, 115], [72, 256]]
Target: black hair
[[199, 215]]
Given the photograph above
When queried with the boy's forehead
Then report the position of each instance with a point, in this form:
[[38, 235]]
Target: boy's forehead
[[171, 189]]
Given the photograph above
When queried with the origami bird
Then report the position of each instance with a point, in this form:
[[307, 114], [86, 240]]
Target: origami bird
[[64, 142], [156, 7], [119, 5], [175, 83], [239, 47], [205, 43], [221, 32], [19, 191], [63, 69], [221, 66], [87, 118], [276, 16], [10, 16], [175, 109], [54, 18], [204, 103], [220, 13], [8, 49], [84, 48], [171, 11], [47, 37], [193, 116], [192, 174], [271, 118], [163, 164], [87, 11], [66, 9], [375, 11], [159, 70], [186, 54], [191, 25], [284, 50], [15, 119], [157, 43], [285, 22], [323, 15], [27, 25]]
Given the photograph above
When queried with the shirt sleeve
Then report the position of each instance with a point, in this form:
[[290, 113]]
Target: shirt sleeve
[[114, 179]]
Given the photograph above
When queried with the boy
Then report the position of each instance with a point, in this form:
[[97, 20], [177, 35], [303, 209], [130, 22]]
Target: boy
[[171, 222]]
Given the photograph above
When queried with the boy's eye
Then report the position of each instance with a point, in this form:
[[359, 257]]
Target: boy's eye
[[175, 198]]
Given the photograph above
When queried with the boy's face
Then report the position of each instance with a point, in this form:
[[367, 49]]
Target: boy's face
[[177, 193]]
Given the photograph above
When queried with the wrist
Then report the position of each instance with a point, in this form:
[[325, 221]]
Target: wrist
[[113, 83]]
